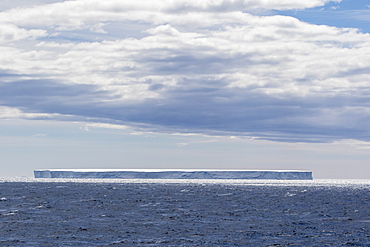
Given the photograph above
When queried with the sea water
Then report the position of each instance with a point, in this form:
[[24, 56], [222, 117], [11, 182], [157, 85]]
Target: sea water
[[120, 212]]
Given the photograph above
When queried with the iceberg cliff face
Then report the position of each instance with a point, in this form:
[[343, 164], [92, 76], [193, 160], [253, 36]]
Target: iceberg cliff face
[[173, 174]]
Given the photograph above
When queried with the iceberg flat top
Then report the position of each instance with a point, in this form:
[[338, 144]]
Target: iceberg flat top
[[169, 170], [174, 174]]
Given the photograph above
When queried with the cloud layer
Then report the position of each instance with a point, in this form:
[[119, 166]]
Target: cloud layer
[[213, 67]]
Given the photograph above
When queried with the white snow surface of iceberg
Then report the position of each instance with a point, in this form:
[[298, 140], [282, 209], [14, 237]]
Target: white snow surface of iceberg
[[174, 174]]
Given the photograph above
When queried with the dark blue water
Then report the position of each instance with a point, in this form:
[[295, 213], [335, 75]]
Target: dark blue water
[[183, 214]]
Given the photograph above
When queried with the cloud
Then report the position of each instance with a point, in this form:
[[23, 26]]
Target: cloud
[[39, 135], [10, 32], [106, 126], [210, 67], [72, 15], [182, 144], [354, 143]]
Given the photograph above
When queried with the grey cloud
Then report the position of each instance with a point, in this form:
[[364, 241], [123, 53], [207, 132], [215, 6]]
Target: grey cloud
[[255, 115], [5, 74], [48, 96], [155, 87], [212, 110]]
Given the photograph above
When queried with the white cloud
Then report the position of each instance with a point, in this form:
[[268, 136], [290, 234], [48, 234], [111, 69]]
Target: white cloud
[[106, 126], [354, 143], [39, 135], [7, 113], [79, 14], [10, 33]]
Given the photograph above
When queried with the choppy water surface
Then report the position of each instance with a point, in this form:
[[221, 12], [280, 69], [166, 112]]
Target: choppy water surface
[[184, 213]]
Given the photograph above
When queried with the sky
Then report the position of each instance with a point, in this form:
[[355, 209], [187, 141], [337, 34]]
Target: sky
[[212, 84]]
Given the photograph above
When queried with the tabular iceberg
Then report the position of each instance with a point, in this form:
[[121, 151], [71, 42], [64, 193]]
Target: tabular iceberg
[[174, 174]]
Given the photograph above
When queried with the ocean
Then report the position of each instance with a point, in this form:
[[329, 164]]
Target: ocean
[[114, 212]]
